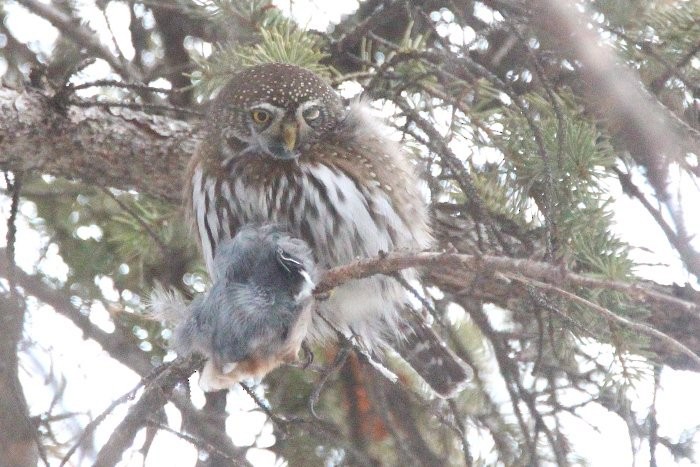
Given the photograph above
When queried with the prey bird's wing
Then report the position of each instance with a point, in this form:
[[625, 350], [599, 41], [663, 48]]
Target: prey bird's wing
[[250, 322]]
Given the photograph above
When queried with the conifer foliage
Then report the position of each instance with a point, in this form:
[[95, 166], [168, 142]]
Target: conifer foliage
[[559, 142]]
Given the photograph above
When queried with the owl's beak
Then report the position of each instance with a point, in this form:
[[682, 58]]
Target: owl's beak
[[289, 134]]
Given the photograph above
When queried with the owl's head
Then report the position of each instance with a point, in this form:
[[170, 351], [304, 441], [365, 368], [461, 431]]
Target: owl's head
[[275, 109]]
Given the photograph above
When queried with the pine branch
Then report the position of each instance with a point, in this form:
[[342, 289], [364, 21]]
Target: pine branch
[[390, 263], [154, 397], [117, 148], [123, 348], [459, 270], [658, 136]]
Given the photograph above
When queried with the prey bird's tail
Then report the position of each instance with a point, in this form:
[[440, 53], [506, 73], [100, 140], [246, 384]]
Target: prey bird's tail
[[167, 305]]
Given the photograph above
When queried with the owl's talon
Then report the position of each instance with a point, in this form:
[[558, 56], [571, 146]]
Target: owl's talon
[[323, 296], [308, 355]]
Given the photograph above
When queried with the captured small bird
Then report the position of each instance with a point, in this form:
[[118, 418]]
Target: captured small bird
[[257, 312], [280, 146]]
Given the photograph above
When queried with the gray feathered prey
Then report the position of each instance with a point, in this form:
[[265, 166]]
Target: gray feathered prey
[[256, 315]]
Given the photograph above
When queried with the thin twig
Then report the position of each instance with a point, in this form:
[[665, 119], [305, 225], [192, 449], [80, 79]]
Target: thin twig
[[90, 427], [134, 106], [154, 396], [278, 420], [199, 443], [163, 247], [120, 84], [653, 421], [337, 363], [81, 36], [612, 317], [15, 187]]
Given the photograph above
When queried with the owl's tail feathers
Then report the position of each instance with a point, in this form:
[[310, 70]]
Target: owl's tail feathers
[[167, 305], [432, 359]]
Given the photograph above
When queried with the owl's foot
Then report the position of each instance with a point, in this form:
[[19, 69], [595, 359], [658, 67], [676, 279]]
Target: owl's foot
[[308, 355]]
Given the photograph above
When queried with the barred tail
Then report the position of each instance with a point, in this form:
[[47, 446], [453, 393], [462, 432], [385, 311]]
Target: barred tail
[[432, 359]]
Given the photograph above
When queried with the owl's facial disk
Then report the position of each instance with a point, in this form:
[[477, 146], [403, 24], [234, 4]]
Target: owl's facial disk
[[275, 110], [280, 132]]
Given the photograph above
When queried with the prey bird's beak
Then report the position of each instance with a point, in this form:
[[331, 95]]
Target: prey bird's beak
[[289, 134]]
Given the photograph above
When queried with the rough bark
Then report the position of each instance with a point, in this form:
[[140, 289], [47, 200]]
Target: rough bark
[[115, 147], [18, 446]]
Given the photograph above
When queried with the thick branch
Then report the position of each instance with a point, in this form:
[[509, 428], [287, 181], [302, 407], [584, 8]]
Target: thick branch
[[616, 92], [114, 147], [18, 446], [494, 273], [128, 149]]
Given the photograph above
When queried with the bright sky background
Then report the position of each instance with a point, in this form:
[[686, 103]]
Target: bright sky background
[[93, 380]]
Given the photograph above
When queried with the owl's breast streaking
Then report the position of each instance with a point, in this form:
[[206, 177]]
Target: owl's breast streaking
[[342, 204], [350, 194]]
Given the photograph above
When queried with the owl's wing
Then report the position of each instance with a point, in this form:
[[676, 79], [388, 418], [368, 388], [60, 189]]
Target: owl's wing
[[250, 323]]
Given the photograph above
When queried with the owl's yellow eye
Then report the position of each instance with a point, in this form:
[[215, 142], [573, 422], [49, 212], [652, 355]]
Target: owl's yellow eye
[[312, 113], [260, 116]]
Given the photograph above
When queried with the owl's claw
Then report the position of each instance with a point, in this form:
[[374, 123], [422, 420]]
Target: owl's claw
[[323, 296], [308, 355]]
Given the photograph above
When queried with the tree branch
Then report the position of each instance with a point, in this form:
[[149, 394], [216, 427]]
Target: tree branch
[[154, 397], [116, 147], [134, 150], [460, 270], [654, 136], [460, 263], [18, 443], [123, 348]]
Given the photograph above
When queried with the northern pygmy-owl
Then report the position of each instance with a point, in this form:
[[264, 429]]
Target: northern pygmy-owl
[[279, 146], [258, 310]]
